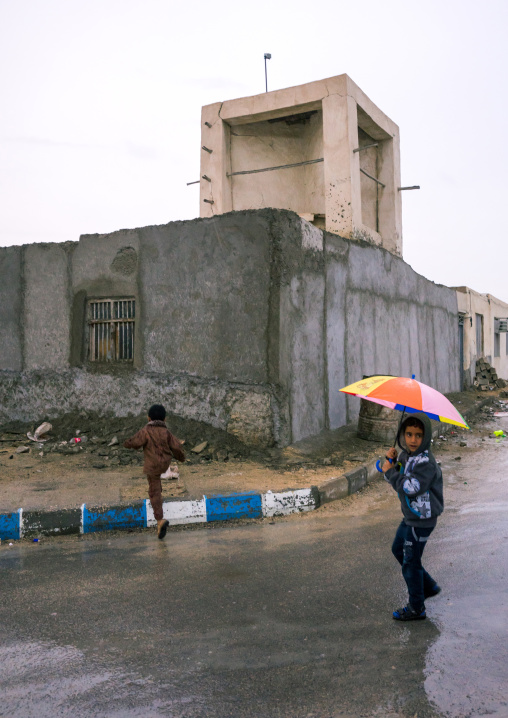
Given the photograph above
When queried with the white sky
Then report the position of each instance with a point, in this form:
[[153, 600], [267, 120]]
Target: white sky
[[101, 101]]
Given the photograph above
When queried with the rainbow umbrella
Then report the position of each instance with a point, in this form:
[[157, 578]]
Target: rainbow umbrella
[[408, 396]]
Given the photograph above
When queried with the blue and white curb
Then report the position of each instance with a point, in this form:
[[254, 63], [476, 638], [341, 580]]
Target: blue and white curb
[[220, 507]]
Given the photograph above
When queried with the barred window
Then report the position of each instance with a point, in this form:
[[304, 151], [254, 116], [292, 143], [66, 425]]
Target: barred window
[[111, 330]]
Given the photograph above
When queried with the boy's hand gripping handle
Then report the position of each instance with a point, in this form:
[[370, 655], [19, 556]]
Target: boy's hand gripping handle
[[378, 464]]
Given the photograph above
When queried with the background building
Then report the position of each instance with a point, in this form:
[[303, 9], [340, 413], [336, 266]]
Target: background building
[[323, 150], [483, 328]]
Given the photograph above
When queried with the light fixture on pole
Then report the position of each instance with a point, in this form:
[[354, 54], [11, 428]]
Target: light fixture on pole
[[267, 57]]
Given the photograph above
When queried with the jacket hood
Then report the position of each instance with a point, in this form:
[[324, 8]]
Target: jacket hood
[[427, 432]]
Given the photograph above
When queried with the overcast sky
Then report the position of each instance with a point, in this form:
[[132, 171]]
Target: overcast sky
[[101, 101]]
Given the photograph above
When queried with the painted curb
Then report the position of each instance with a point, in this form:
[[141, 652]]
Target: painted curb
[[219, 507]]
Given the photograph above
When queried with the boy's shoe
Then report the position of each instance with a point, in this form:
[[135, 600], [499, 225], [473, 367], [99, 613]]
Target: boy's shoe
[[161, 532], [433, 591], [409, 614]]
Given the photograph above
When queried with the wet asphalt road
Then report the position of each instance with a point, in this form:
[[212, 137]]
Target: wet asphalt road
[[290, 618]]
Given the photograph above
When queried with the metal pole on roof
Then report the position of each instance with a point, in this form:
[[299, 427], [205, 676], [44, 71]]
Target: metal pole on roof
[[267, 57]]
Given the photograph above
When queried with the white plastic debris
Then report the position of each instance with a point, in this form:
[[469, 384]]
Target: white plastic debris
[[41, 430], [171, 473]]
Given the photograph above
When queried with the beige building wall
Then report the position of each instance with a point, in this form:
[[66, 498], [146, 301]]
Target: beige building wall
[[323, 150], [479, 313]]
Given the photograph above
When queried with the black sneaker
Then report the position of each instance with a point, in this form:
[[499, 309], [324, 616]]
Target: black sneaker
[[433, 591], [409, 614]]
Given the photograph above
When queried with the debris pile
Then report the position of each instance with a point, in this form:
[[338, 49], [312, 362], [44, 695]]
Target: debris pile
[[99, 439], [486, 377]]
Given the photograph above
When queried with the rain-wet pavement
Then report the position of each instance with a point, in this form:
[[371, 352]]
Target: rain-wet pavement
[[288, 618]]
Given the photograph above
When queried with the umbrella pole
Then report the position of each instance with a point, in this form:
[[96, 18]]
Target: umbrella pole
[[398, 428]]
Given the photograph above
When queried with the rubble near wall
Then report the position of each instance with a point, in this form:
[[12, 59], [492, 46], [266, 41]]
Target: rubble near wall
[[245, 412], [486, 377]]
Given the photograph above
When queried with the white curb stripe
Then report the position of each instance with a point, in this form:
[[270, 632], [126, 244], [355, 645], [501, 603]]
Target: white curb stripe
[[179, 512], [287, 502]]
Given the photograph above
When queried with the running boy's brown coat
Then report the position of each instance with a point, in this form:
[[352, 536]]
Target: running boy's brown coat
[[159, 447]]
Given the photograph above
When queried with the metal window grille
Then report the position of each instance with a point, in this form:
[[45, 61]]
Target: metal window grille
[[111, 330]]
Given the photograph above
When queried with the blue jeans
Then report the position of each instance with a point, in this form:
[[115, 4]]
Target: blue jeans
[[408, 546]]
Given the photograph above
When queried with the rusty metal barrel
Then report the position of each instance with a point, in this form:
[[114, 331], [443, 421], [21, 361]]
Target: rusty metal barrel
[[377, 423]]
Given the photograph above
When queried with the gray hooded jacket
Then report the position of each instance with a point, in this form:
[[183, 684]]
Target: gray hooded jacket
[[418, 480]]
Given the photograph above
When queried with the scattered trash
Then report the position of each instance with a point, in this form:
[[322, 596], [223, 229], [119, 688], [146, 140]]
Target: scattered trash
[[75, 440], [10, 544], [463, 443], [22, 450], [171, 473], [114, 441], [36, 540], [41, 431], [465, 482], [327, 461], [501, 413], [499, 433], [200, 447]]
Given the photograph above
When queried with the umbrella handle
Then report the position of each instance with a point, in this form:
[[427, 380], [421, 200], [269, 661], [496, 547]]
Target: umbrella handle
[[378, 464]]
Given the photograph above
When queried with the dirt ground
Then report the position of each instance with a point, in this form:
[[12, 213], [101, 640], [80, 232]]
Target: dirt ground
[[99, 471]]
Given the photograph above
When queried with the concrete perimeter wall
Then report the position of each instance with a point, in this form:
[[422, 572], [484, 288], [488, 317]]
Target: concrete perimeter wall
[[250, 321]]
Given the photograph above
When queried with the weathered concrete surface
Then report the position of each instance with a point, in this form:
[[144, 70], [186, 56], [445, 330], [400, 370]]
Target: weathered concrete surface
[[205, 293], [250, 321], [46, 306], [11, 305]]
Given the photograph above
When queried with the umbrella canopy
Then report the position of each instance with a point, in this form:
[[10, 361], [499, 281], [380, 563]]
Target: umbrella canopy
[[409, 395]]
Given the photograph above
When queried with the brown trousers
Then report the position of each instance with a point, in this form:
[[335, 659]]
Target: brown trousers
[[155, 494]]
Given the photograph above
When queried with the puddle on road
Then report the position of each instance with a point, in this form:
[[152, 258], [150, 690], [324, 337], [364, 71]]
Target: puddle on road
[[43, 679], [484, 508], [466, 668]]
